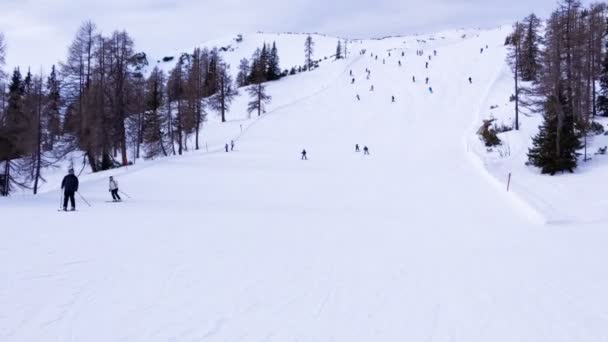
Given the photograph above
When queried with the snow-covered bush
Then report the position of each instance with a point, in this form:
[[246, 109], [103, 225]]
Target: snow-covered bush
[[487, 133]]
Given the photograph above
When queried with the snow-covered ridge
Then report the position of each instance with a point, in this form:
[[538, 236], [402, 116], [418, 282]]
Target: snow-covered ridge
[[236, 47]]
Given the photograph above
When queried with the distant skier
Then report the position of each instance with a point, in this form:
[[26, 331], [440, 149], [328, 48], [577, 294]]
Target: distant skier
[[226, 147], [383, 61], [470, 80], [427, 80], [393, 98], [358, 98], [304, 155], [399, 63], [413, 79], [351, 72], [376, 57], [352, 81], [70, 187], [114, 190], [371, 88], [435, 52], [365, 150], [389, 54], [357, 148], [481, 51], [231, 145], [402, 54], [430, 57], [431, 90], [427, 65]]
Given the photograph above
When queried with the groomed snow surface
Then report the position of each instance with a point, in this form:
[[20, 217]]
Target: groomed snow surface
[[415, 242]]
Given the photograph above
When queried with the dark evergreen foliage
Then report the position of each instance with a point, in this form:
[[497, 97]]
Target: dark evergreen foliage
[[555, 146]]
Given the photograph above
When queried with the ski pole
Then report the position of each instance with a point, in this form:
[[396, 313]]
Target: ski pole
[[124, 193], [60, 201], [85, 201]]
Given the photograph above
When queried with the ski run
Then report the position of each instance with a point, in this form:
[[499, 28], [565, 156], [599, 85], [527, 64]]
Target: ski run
[[417, 241]]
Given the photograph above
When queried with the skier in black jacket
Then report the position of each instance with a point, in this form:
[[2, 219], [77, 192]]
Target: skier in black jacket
[[70, 187]]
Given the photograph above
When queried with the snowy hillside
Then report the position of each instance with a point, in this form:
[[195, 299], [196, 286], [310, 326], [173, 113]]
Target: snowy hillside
[[546, 194], [237, 47], [419, 241]]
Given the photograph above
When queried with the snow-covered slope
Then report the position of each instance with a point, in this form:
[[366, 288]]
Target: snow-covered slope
[[563, 198], [415, 242]]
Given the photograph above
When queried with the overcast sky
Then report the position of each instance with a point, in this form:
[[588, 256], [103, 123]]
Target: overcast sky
[[39, 31]]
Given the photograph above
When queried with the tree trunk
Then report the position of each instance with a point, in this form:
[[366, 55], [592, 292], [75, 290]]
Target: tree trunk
[[39, 142], [123, 147], [517, 85], [179, 127]]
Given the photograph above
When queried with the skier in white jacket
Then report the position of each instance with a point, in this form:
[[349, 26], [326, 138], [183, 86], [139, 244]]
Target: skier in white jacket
[[114, 190]]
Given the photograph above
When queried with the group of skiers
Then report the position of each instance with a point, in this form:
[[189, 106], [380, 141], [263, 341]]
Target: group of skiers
[[304, 154], [421, 53], [70, 184], [229, 147], [365, 149]]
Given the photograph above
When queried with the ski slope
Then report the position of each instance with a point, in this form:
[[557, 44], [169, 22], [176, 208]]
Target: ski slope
[[415, 242]]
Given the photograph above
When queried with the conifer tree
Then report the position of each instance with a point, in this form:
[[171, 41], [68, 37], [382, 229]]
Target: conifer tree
[[155, 120], [195, 92], [515, 61], [256, 70], [222, 100], [52, 109], [530, 53], [602, 99], [273, 71], [339, 50], [175, 95], [554, 148], [259, 99], [309, 51], [14, 133], [15, 118], [242, 76]]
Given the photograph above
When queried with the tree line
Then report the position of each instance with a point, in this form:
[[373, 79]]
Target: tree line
[[561, 70], [100, 101]]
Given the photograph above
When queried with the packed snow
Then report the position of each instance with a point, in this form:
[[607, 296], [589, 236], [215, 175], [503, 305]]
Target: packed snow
[[419, 241]]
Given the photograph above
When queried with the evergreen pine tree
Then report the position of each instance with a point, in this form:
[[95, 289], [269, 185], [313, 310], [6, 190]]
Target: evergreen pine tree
[[339, 50], [274, 70], [211, 81], [52, 109], [555, 150], [243, 75], [256, 70], [602, 99], [530, 48], [264, 62], [15, 118], [308, 52], [13, 131]]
